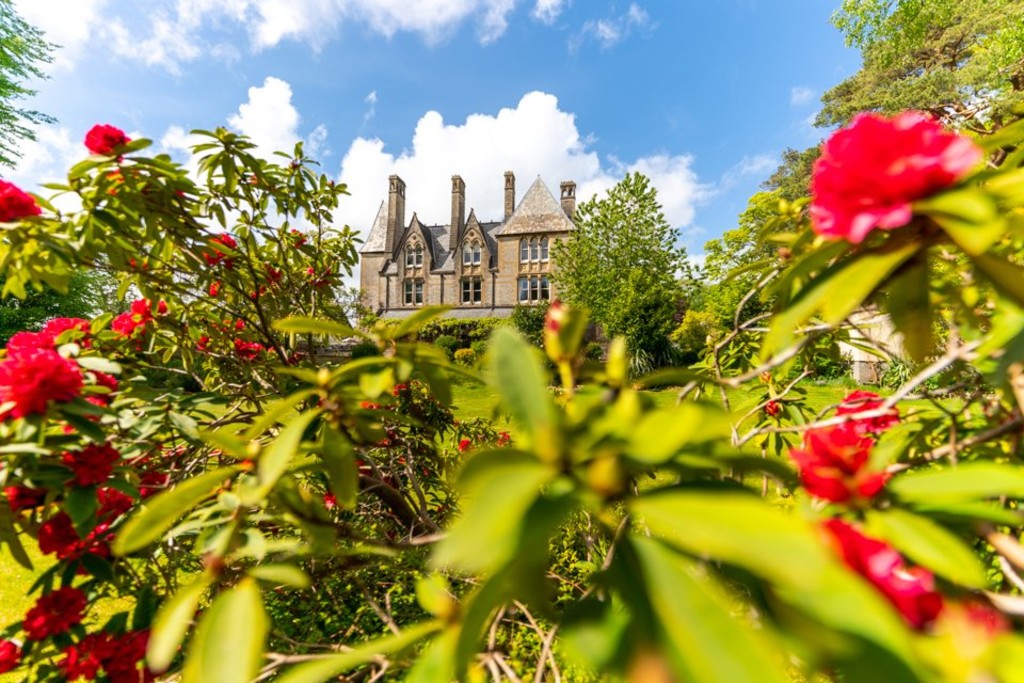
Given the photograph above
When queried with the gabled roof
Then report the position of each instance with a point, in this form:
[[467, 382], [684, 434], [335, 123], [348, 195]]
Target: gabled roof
[[376, 239], [539, 211]]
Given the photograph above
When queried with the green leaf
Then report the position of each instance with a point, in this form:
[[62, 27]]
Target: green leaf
[[152, 520], [281, 574], [305, 325], [498, 487], [434, 595], [418, 319], [969, 216], [80, 503], [275, 458], [1007, 277], [9, 536], [228, 644], [332, 666], [929, 545], [909, 305], [172, 623], [662, 434], [339, 460], [437, 660], [702, 641], [97, 364], [275, 412], [523, 385], [966, 482]]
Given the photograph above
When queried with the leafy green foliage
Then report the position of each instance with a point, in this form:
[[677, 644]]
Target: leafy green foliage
[[23, 52]]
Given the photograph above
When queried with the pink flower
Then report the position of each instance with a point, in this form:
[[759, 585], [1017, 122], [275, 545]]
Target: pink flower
[[910, 590], [27, 342], [104, 139], [834, 464], [58, 326], [15, 204], [871, 171], [54, 613], [30, 380]]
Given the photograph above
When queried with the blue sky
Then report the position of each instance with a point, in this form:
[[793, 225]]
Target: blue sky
[[700, 95]]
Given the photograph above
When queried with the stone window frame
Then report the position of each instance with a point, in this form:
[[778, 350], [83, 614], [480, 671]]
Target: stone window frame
[[471, 253], [414, 255], [471, 291], [533, 288], [412, 292]]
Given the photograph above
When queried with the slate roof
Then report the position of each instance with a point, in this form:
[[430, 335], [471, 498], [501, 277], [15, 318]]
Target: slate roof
[[539, 211], [377, 237]]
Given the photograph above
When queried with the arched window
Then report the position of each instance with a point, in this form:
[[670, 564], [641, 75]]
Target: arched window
[[410, 257], [476, 253], [414, 256], [419, 255], [545, 288], [534, 250], [524, 250], [467, 254], [543, 248]]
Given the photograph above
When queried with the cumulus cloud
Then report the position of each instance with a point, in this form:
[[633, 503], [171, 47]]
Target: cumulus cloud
[[800, 95], [534, 138], [47, 160], [611, 31], [546, 11], [269, 117], [757, 165]]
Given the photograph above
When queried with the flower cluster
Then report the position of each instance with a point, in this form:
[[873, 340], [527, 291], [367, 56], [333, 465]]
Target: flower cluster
[[870, 172], [105, 140], [117, 656], [835, 462], [16, 204], [93, 464], [55, 613], [215, 256], [910, 590], [140, 314], [34, 374]]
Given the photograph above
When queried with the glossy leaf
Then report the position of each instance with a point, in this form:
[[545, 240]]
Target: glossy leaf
[[276, 458], [966, 482], [151, 521], [172, 623], [305, 325], [523, 385], [229, 640]]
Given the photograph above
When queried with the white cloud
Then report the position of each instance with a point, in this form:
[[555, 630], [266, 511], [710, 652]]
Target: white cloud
[[757, 165], [67, 23], [269, 117], [533, 138], [611, 31], [169, 44], [371, 108], [47, 160], [800, 95], [546, 11]]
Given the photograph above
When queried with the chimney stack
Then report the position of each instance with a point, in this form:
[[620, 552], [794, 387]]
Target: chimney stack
[[510, 194], [396, 212], [458, 211], [569, 197]]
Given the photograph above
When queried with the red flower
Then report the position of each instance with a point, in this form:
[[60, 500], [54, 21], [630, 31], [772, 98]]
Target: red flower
[[125, 663], [112, 503], [139, 315], [910, 590], [215, 288], [10, 656], [330, 501], [57, 536], [85, 658], [247, 350], [863, 401], [24, 498], [54, 613], [239, 324], [298, 238], [58, 326], [93, 464], [464, 444], [215, 256], [102, 379], [274, 275], [152, 482], [833, 464], [104, 139], [30, 380], [871, 171], [504, 439], [27, 342], [555, 316], [772, 408], [15, 204], [203, 344]]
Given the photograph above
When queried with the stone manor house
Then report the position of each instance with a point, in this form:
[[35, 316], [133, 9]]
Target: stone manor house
[[479, 268]]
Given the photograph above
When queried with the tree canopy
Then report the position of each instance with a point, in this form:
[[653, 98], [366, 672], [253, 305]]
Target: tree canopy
[[960, 60], [22, 51], [623, 241]]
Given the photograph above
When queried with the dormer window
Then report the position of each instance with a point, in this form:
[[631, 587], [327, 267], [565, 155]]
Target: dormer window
[[544, 249], [414, 256], [471, 253]]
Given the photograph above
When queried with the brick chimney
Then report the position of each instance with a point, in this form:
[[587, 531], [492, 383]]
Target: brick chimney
[[510, 194], [568, 197], [396, 212], [458, 211]]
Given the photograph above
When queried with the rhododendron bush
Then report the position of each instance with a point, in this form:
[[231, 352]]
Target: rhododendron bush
[[597, 536]]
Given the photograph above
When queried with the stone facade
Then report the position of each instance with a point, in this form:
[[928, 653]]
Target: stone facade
[[480, 268]]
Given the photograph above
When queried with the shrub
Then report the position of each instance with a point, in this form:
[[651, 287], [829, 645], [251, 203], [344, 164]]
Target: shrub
[[593, 351], [448, 343], [479, 348], [696, 332], [364, 349], [529, 321], [466, 331], [466, 357]]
